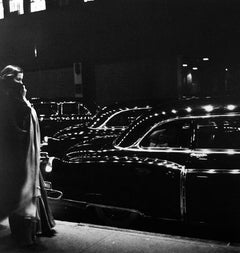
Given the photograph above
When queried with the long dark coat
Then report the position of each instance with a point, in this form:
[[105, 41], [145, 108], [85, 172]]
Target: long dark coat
[[19, 154]]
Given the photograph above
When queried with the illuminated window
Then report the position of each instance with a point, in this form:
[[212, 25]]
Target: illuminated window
[[1, 10], [38, 5], [16, 6]]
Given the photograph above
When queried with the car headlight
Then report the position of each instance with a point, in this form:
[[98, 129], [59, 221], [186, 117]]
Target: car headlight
[[46, 163], [45, 140]]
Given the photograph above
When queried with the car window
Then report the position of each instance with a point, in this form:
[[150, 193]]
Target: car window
[[124, 118], [46, 109], [219, 132], [74, 108], [172, 134], [69, 108]]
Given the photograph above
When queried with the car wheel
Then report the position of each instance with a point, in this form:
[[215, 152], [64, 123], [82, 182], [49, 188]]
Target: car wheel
[[117, 218]]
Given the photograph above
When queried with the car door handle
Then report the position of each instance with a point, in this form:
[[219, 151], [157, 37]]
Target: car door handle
[[198, 155]]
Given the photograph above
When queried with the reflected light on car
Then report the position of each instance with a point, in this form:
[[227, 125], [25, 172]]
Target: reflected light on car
[[188, 109], [211, 171], [230, 152], [235, 171], [48, 168]]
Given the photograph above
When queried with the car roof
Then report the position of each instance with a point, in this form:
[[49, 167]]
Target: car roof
[[179, 108], [197, 106], [106, 111]]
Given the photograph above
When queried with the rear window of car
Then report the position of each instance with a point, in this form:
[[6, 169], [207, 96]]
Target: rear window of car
[[124, 118], [218, 132]]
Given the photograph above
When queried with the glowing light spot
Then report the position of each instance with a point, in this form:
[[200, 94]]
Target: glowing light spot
[[35, 51], [189, 77], [211, 171], [235, 171], [174, 111], [231, 107], [208, 108], [184, 65], [48, 168], [188, 109], [230, 152]]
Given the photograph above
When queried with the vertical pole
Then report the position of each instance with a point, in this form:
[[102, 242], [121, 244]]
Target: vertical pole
[[6, 8], [179, 76], [27, 6]]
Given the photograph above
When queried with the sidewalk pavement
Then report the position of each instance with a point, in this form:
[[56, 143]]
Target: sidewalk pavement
[[80, 237]]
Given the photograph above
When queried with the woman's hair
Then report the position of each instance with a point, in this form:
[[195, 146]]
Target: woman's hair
[[10, 72], [8, 84]]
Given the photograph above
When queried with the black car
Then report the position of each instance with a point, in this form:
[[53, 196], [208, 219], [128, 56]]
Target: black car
[[180, 162], [99, 133]]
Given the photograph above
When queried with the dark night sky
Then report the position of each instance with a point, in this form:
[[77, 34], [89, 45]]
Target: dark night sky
[[126, 29]]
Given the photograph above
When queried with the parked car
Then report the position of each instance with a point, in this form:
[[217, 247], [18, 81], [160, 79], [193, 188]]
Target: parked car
[[55, 114], [99, 133], [180, 162]]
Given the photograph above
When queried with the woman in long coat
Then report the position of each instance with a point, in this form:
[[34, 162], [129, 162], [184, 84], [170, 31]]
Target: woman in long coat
[[22, 195]]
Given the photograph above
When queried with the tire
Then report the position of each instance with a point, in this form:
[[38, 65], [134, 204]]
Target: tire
[[116, 218]]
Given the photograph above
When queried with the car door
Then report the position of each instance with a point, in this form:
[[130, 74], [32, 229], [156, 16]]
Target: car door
[[213, 172], [171, 141]]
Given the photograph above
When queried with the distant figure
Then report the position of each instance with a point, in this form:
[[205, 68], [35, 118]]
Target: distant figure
[[22, 195], [159, 138]]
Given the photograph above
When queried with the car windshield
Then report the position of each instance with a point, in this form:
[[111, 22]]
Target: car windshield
[[136, 131]]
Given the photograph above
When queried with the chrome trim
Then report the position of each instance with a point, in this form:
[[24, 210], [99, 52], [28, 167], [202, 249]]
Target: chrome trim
[[54, 191], [115, 208], [200, 152], [88, 205], [103, 125], [183, 206], [213, 171], [48, 185]]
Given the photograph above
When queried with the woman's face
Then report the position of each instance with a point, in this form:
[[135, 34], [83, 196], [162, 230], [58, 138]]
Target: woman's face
[[19, 78]]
